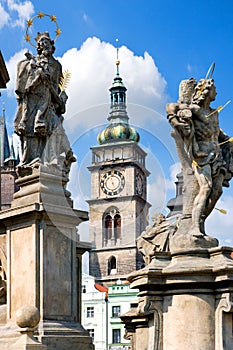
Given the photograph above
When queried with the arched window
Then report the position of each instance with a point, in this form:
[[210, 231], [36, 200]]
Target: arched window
[[117, 227], [111, 227], [115, 98], [112, 267], [108, 229]]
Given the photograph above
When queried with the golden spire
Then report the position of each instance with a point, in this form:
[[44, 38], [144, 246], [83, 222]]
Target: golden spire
[[117, 60]]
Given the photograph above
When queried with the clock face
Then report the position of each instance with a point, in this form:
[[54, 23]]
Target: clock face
[[139, 184], [112, 182]]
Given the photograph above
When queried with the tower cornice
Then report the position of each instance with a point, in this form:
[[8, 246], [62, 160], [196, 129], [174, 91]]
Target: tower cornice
[[119, 199]]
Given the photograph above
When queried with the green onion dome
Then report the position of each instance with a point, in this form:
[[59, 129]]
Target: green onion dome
[[118, 129], [118, 132]]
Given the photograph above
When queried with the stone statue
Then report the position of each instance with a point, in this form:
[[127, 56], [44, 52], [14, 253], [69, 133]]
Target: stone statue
[[207, 165], [41, 104], [155, 238]]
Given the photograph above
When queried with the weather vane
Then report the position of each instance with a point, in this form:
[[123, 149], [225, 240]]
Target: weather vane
[[117, 60], [40, 16]]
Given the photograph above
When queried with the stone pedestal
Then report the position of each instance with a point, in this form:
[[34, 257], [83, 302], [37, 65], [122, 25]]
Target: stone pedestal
[[41, 256], [185, 302], [27, 342]]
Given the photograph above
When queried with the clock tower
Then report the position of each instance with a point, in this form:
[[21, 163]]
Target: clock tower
[[118, 208]]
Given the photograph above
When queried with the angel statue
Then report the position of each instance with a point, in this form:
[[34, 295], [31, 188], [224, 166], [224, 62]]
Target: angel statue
[[206, 157]]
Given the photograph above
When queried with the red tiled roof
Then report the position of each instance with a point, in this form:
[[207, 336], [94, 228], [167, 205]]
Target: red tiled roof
[[101, 288]]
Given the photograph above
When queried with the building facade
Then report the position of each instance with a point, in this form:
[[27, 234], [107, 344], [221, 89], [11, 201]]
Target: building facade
[[101, 310]]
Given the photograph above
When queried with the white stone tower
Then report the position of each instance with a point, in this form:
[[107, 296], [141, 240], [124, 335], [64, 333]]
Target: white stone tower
[[118, 204]]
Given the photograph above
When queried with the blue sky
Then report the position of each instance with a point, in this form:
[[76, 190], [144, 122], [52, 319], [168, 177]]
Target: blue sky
[[161, 43]]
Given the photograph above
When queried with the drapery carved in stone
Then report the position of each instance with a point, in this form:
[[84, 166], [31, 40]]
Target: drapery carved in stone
[[41, 103], [156, 238], [206, 157]]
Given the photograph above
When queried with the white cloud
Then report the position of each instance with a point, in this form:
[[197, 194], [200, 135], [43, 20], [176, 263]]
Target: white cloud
[[4, 17], [174, 170], [158, 189], [92, 70], [24, 11], [156, 194], [15, 13], [12, 70], [219, 225]]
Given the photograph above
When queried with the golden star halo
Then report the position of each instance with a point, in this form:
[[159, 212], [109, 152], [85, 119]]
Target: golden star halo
[[41, 15]]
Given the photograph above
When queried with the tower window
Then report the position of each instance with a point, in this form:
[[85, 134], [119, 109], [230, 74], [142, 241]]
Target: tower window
[[108, 229], [121, 97], [115, 98], [117, 226], [111, 228], [112, 268]]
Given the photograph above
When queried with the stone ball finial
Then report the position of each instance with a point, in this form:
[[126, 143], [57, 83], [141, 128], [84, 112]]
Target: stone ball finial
[[27, 316]]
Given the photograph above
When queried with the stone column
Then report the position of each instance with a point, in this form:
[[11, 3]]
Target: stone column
[[42, 263]]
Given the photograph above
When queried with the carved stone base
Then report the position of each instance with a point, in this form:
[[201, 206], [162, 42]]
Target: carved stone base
[[28, 342], [42, 185], [187, 238], [50, 335], [185, 303], [191, 241], [64, 335]]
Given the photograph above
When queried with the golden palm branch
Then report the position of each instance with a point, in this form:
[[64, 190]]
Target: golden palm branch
[[219, 109], [223, 211], [64, 80], [228, 140]]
